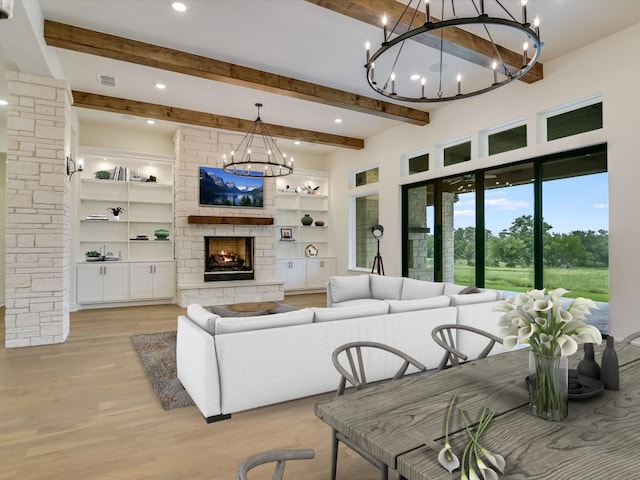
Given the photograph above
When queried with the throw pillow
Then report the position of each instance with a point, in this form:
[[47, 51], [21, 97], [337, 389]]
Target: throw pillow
[[416, 289], [202, 317], [469, 289], [343, 313], [259, 322], [485, 296], [349, 287], [398, 306], [386, 288]]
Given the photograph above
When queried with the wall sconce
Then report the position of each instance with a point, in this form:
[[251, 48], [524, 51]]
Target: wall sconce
[[73, 167]]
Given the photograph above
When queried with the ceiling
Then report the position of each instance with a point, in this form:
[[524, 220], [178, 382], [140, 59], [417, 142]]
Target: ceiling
[[291, 38]]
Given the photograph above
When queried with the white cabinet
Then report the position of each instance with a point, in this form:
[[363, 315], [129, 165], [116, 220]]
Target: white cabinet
[[318, 272], [293, 273], [102, 282], [150, 280]]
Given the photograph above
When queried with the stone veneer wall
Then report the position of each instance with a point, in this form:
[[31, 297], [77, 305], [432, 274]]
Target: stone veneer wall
[[38, 206], [195, 147]]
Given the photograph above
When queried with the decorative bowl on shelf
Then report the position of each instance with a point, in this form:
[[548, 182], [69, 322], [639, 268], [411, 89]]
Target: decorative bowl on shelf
[[319, 223], [161, 233]]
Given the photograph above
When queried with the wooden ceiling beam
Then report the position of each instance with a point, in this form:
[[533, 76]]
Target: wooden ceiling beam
[[192, 117], [96, 43], [458, 42]]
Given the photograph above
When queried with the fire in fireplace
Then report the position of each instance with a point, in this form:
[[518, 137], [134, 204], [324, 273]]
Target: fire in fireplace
[[228, 258]]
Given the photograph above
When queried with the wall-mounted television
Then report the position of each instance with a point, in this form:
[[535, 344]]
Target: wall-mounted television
[[221, 189]]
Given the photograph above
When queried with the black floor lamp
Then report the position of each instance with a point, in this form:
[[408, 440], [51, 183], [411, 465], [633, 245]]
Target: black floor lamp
[[378, 266]]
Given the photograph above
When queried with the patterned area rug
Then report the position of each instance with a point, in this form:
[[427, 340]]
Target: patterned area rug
[[157, 353]]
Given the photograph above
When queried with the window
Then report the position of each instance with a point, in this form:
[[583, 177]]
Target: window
[[575, 121], [419, 163], [506, 140], [366, 177], [457, 153], [363, 244]]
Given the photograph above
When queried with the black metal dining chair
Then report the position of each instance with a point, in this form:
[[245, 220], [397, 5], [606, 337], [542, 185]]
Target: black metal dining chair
[[279, 457], [446, 337], [350, 363]]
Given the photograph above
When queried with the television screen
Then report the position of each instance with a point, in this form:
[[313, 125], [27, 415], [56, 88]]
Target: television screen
[[221, 189]]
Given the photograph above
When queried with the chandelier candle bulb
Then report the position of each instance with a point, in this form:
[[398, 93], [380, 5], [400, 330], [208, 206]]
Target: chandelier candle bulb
[[525, 59], [384, 27], [393, 84], [536, 24], [428, 14], [494, 66], [459, 79], [524, 11], [367, 47], [423, 81]]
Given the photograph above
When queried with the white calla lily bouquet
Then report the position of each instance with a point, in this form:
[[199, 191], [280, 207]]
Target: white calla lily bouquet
[[547, 323]]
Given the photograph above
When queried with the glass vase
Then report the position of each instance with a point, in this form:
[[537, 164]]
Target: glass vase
[[548, 386]]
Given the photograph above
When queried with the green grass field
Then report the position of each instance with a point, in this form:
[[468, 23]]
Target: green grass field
[[590, 283]]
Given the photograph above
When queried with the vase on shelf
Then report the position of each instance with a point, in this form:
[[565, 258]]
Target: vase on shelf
[[609, 371], [548, 386], [306, 220], [588, 365]]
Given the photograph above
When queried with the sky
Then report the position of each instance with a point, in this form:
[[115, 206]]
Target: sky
[[577, 203]]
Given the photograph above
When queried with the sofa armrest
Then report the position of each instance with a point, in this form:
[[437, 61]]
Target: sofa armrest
[[197, 367]]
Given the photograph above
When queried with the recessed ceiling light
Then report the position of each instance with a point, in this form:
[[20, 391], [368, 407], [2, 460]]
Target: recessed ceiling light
[[179, 7], [160, 86], [338, 120], [3, 102], [151, 122], [297, 142], [415, 76]]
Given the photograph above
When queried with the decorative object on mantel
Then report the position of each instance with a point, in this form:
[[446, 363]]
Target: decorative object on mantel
[[588, 365], [425, 71], [267, 161], [553, 333], [306, 220], [609, 372]]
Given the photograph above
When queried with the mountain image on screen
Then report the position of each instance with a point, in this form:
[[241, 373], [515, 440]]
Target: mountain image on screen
[[222, 189]]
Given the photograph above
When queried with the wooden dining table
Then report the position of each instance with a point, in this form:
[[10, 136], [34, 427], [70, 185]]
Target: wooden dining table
[[402, 423]]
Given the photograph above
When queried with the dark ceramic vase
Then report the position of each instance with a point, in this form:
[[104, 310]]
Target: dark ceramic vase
[[588, 365], [306, 220], [609, 372]]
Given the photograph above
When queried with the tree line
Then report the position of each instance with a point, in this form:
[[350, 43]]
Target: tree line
[[513, 247]]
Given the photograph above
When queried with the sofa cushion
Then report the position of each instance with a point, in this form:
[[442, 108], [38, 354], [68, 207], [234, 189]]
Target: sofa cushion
[[349, 287], [202, 317], [343, 313], [415, 289], [466, 299], [259, 322], [386, 288], [397, 306], [358, 301]]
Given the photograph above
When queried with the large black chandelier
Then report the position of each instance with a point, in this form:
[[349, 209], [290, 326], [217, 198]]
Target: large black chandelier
[[260, 159], [446, 71]]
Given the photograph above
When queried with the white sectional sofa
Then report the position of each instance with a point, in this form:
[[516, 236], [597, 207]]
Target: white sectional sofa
[[230, 364]]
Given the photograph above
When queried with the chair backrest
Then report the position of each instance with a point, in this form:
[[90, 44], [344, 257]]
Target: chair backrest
[[279, 457], [354, 371], [446, 335], [629, 338]]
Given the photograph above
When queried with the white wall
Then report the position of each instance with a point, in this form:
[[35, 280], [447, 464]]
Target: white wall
[[603, 68]]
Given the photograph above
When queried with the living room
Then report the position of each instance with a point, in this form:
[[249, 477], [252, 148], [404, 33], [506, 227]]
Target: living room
[[44, 413]]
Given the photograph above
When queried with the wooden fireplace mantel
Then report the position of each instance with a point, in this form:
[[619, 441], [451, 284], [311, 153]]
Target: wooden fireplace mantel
[[208, 219]]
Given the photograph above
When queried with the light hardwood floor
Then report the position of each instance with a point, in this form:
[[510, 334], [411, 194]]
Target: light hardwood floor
[[84, 409]]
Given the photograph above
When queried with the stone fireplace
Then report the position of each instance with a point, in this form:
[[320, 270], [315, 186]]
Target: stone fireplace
[[228, 258]]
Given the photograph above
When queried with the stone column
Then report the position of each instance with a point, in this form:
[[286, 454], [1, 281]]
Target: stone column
[[448, 256], [38, 241]]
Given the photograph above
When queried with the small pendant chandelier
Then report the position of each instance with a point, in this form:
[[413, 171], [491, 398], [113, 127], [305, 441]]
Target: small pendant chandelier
[[408, 73], [262, 159]]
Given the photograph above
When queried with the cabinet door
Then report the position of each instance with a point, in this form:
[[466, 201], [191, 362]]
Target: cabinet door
[[115, 282], [89, 283], [293, 273], [318, 272], [164, 280], [141, 281]]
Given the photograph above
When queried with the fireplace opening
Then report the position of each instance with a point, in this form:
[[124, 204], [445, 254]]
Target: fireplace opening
[[228, 258]]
